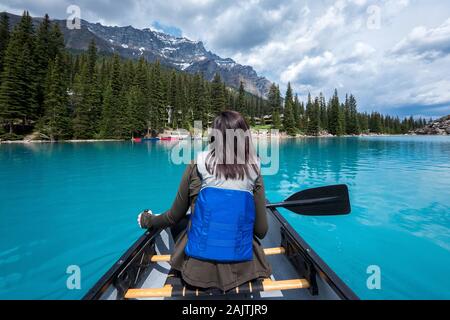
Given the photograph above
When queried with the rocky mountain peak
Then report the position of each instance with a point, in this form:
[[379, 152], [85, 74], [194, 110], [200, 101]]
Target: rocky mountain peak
[[177, 52]]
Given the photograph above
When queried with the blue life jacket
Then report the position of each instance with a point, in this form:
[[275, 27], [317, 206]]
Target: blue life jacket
[[221, 227]]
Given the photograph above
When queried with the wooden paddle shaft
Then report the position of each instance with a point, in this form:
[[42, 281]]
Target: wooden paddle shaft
[[267, 252], [292, 203]]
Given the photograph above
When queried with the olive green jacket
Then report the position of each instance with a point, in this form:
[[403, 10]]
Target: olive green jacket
[[207, 274]]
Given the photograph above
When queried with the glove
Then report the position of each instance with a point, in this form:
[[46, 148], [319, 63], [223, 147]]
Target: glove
[[144, 219]]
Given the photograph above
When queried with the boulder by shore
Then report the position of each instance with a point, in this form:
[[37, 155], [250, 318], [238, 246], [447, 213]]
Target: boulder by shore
[[438, 127]]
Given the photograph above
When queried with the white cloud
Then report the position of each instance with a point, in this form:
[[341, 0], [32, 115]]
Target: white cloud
[[362, 50], [309, 66], [426, 43], [393, 7]]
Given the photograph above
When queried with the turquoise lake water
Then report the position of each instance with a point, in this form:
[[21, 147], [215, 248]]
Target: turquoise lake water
[[76, 204]]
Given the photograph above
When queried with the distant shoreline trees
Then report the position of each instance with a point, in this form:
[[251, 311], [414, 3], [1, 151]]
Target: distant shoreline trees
[[89, 95]]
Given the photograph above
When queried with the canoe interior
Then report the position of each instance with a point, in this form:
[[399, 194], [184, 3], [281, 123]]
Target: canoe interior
[[135, 271]]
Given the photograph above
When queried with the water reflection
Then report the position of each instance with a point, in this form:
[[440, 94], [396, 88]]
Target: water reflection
[[314, 162]]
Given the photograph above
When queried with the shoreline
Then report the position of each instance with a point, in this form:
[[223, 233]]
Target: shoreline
[[256, 137], [61, 141]]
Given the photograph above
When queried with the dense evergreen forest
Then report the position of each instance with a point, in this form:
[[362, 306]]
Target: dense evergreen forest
[[67, 95]]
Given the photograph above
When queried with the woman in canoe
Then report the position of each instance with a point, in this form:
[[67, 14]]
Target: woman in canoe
[[217, 246]]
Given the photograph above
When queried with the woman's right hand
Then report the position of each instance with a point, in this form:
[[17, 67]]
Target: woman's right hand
[[139, 218]]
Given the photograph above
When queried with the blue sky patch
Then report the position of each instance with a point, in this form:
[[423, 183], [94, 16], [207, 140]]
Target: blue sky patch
[[173, 31]]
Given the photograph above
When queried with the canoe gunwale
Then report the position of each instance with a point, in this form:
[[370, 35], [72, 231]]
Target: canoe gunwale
[[315, 266], [110, 278]]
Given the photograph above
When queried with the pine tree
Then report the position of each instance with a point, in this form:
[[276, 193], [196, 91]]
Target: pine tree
[[296, 111], [302, 119], [17, 91], [119, 102], [308, 112], [178, 102], [93, 93], [88, 109], [181, 102], [4, 37], [335, 119], [240, 107], [288, 120], [376, 123], [4, 40], [127, 75], [56, 44], [352, 123], [313, 115], [104, 71], [218, 99], [228, 97], [252, 106], [124, 116], [345, 108], [141, 82], [172, 99], [135, 107], [205, 101], [274, 101], [323, 113], [43, 59], [81, 118], [158, 109], [56, 120], [196, 98], [363, 120], [110, 126]]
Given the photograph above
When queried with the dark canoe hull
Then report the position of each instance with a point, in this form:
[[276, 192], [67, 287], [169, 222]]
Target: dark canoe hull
[[134, 269]]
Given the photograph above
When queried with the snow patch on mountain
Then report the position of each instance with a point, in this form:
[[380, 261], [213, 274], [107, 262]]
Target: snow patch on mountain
[[177, 52]]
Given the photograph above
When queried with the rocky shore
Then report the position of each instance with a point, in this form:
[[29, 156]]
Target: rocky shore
[[279, 136], [438, 127], [62, 141]]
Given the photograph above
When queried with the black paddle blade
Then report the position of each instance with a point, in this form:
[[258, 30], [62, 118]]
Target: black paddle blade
[[323, 201]]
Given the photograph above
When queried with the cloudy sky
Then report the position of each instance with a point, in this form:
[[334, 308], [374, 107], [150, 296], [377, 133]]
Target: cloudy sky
[[394, 55]]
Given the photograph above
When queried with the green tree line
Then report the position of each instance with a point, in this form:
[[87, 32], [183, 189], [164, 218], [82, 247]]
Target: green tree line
[[318, 116], [66, 95]]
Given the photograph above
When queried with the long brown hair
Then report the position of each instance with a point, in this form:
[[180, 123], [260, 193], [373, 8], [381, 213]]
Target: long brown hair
[[223, 146]]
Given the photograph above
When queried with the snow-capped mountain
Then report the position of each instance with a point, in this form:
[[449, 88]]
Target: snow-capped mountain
[[180, 53]]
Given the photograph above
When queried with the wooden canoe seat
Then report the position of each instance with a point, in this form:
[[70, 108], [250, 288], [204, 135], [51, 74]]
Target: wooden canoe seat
[[170, 291], [268, 252]]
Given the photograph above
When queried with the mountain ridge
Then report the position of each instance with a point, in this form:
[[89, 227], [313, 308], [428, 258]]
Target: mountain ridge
[[178, 52]]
